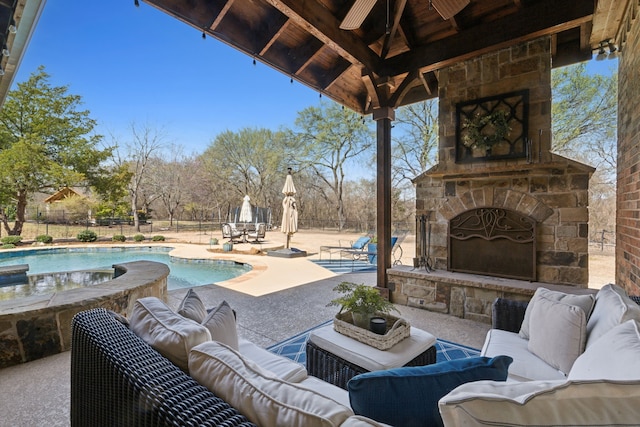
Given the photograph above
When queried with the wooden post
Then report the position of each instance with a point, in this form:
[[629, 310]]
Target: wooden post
[[383, 118]]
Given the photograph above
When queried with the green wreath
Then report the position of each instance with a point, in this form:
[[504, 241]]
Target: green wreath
[[484, 131]]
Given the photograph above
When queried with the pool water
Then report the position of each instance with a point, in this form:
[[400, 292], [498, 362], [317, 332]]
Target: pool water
[[184, 273]]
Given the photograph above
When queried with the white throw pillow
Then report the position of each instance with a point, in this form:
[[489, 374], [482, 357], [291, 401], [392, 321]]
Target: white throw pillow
[[612, 308], [192, 307], [221, 323], [615, 356], [558, 333], [585, 302], [261, 397], [542, 403], [166, 331]]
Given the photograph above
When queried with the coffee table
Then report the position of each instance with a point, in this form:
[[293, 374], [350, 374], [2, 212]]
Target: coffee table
[[336, 358]]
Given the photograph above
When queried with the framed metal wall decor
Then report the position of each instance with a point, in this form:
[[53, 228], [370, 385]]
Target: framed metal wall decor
[[493, 128]]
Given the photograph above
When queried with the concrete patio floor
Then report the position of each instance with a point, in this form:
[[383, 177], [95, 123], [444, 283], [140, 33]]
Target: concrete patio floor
[[279, 299]]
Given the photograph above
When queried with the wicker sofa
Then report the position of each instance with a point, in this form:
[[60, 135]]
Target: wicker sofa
[[600, 387], [117, 379]]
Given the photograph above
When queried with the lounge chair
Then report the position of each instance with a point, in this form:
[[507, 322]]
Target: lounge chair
[[230, 232], [358, 245], [259, 233]]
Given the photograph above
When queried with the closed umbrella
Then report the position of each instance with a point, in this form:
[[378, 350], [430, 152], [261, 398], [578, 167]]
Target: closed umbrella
[[289, 209], [245, 210]]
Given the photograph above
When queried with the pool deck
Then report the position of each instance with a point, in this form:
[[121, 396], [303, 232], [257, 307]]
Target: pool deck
[[279, 298]]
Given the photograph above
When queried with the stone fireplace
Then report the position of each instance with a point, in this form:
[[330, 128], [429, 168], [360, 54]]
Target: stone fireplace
[[505, 220]]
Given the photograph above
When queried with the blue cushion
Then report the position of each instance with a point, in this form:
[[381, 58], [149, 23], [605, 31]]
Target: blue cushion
[[359, 244], [409, 396]]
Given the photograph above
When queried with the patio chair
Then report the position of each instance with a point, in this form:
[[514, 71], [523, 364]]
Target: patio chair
[[259, 233], [230, 232], [359, 245]]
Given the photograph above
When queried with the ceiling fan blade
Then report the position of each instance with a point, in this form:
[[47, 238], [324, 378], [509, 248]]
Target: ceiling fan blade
[[449, 8], [357, 14]]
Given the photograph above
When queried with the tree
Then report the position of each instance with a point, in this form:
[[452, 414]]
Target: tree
[[46, 142], [167, 179], [416, 145], [584, 107], [249, 162], [334, 136], [584, 112], [146, 143]]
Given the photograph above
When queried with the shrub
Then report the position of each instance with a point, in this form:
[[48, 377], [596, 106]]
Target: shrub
[[44, 238], [138, 238], [118, 238], [87, 236], [158, 238], [8, 246], [11, 240]]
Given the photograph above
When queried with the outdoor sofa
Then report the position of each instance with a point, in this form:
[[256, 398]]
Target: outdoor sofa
[[119, 379], [576, 362]]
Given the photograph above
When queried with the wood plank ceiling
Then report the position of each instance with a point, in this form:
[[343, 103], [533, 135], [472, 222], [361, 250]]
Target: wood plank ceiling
[[399, 46]]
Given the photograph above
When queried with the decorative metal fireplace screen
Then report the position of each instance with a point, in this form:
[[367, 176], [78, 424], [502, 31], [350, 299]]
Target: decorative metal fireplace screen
[[493, 241]]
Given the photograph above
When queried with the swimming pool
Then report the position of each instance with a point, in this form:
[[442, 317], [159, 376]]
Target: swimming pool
[[184, 273]]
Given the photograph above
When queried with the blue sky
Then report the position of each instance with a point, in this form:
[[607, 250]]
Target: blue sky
[[139, 65]]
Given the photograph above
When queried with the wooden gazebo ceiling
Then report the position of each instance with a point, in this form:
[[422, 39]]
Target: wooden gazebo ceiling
[[392, 58]]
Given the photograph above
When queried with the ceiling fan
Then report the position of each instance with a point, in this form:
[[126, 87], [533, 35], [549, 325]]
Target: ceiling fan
[[361, 8]]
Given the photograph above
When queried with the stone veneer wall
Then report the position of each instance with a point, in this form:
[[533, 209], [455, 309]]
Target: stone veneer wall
[[628, 190], [35, 327], [549, 188]]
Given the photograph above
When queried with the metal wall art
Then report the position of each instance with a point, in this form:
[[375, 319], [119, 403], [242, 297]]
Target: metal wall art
[[493, 128]]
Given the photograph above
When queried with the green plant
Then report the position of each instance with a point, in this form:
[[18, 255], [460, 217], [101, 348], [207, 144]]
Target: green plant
[[158, 238], [138, 238], [484, 131], [11, 240], [87, 236], [361, 299], [43, 238], [8, 246], [118, 238]]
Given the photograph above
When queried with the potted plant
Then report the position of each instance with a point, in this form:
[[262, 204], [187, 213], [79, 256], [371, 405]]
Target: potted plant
[[362, 301]]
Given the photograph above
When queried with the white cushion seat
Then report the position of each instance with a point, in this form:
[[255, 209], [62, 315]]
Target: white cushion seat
[[281, 367], [371, 358]]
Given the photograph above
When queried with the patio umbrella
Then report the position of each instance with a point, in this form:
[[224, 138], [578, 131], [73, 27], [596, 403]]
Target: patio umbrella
[[289, 209], [245, 210]]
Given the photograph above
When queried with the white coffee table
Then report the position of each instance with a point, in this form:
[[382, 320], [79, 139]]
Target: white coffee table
[[336, 358]]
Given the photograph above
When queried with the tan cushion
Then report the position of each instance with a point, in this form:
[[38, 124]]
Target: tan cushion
[[612, 308], [166, 331], [261, 397], [282, 367], [542, 403], [557, 333], [614, 356], [585, 302], [221, 323], [192, 307]]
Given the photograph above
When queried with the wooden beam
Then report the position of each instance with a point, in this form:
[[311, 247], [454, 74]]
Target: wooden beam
[[541, 18], [317, 20], [398, 9]]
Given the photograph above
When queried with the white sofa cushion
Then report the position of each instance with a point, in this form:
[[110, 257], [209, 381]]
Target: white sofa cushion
[[557, 332], [612, 308], [615, 356], [526, 366], [192, 307], [542, 403], [329, 390], [166, 331], [585, 302], [221, 323], [283, 368], [262, 398]]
